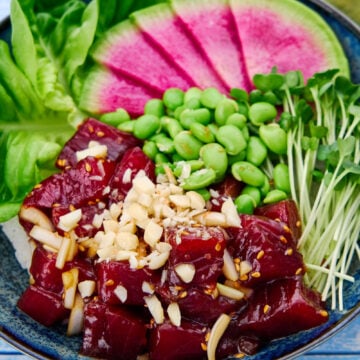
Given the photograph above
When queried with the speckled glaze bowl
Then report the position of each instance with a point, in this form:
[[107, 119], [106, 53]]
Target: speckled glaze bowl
[[51, 343]]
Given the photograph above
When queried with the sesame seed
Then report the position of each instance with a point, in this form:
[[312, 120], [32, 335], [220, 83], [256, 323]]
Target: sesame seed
[[283, 239], [72, 207], [239, 356], [298, 224], [298, 271], [266, 308], [61, 162], [110, 282], [323, 313], [100, 133], [204, 346], [244, 277], [218, 247], [289, 251], [87, 167], [37, 186], [286, 229], [260, 254], [183, 295], [256, 274], [91, 129]]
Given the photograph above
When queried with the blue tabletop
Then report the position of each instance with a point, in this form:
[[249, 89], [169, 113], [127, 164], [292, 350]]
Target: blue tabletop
[[344, 345]]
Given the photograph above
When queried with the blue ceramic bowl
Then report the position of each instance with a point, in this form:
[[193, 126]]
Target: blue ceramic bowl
[[44, 343]]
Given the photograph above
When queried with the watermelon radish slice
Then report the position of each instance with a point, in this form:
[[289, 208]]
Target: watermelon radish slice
[[164, 28], [126, 51], [212, 26], [285, 34], [105, 91]]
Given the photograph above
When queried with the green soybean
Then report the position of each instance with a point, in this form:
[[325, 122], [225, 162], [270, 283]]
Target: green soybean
[[248, 173], [165, 144], [262, 112], [274, 137], [224, 109], [199, 179], [254, 192], [145, 126], [154, 107], [193, 103], [171, 125], [256, 151], [281, 178], [265, 188], [274, 196], [238, 157], [187, 145], [210, 97], [205, 193], [161, 158], [189, 116], [231, 138], [115, 118], [215, 157], [202, 132], [238, 120], [178, 111], [150, 149], [192, 93], [194, 166], [173, 98], [244, 204], [127, 126]]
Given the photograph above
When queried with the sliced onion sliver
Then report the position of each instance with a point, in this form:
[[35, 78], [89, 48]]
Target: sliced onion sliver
[[216, 333]]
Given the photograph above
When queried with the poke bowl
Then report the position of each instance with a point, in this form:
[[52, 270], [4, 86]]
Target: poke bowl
[[45, 342]]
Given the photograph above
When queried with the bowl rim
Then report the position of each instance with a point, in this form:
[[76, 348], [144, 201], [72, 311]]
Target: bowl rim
[[328, 332]]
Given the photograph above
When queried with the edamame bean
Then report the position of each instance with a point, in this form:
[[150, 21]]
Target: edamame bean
[[231, 138], [274, 137], [224, 109], [265, 188], [281, 178], [239, 94], [173, 98], [248, 173], [187, 145], [238, 157], [165, 144], [154, 107], [205, 193], [192, 93], [178, 111], [213, 128], [238, 120], [245, 204], [210, 97], [189, 116], [215, 157], [252, 191], [127, 126], [161, 158], [145, 126], [262, 112], [115, 118], [202, 132], [150, 149], [274, 196], [193, 103], [199, 179], [193, 164], [171, 125], [256, 151]]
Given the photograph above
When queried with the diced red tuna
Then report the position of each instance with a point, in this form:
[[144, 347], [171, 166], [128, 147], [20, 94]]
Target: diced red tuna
[[117, 142], [44, 306]]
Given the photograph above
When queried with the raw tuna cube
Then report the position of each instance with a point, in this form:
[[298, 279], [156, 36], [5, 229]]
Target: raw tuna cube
[[166, 30], [170, 342], [267, 247], [85, 227], [281, 308], [117, 142], [104, 91], [43, 306], [203, 247], [125, 50], [132, 162], [77, 186], [212, 26], [112, 332], [47, 276], [200, 306], [285, 211], [112, 274]]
